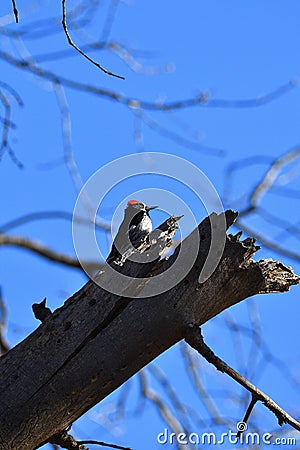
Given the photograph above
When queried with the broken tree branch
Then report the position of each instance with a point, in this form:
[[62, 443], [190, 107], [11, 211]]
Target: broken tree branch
[[98, 339]]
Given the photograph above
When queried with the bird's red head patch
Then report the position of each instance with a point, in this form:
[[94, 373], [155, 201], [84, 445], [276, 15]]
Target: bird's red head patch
[[133, 202]]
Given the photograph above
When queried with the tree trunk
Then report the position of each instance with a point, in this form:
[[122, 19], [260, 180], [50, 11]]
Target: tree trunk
[[97, 340]]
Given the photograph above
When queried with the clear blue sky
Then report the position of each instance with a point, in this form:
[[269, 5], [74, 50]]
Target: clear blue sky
[[232, 51]]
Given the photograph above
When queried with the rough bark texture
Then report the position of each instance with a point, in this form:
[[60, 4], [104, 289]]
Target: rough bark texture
[[97, 340]]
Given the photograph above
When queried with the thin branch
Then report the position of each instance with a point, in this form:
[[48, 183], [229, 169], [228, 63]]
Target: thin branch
[[40, 249], [254, 400], [7, 123], [68, 151], [158, 374], [279, 222], [127, 56], [199, 101], [67, 137], [104, 444], [65, 27], [195, 380], [194, 339], [4, 144], [69, 53], [109, 19], [15, 10], [6, 128], [11, 124], [266, 184], [272, 245], [269, 178], [175, 137], [160, 404], [13, 92], [233, 327], [42, 28], [255, 334], [285, 192], [26, 218], [241, 164], [256, 338], [138, 133], [162, 379], [121, 403]]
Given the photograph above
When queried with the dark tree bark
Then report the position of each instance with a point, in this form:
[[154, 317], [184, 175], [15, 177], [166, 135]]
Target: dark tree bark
[[97, 340]]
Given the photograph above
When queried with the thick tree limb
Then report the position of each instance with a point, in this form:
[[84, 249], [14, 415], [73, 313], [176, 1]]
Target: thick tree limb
[[97, 340]]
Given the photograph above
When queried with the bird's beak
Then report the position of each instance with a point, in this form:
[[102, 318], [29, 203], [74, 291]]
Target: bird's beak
[[148, 208]]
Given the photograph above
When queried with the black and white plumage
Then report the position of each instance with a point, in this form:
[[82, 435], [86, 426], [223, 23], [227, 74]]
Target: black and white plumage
[[135, 226]]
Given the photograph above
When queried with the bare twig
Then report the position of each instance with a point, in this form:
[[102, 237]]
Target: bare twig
[[15, 10], [67, 137], [6, 106], [121, 403], [238, 165], [267, 242], [7, 123], [253, 200], [41, 215], [65, 27], [127, 56], [194, 339], [233, 327], [109, 19], [68, 151], [160, 404], [138, 133], [78, 16], [69, 53], [200, 100], [254, 400], [104, 444], [259, 345], [13, 92], [279, 222], [195, 380], [175, 137], [269, 178], [6, 128], [40, 249], [256, 338], [158, 374]]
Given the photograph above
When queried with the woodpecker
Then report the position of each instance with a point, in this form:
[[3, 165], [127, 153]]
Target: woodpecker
[[135, 226]]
